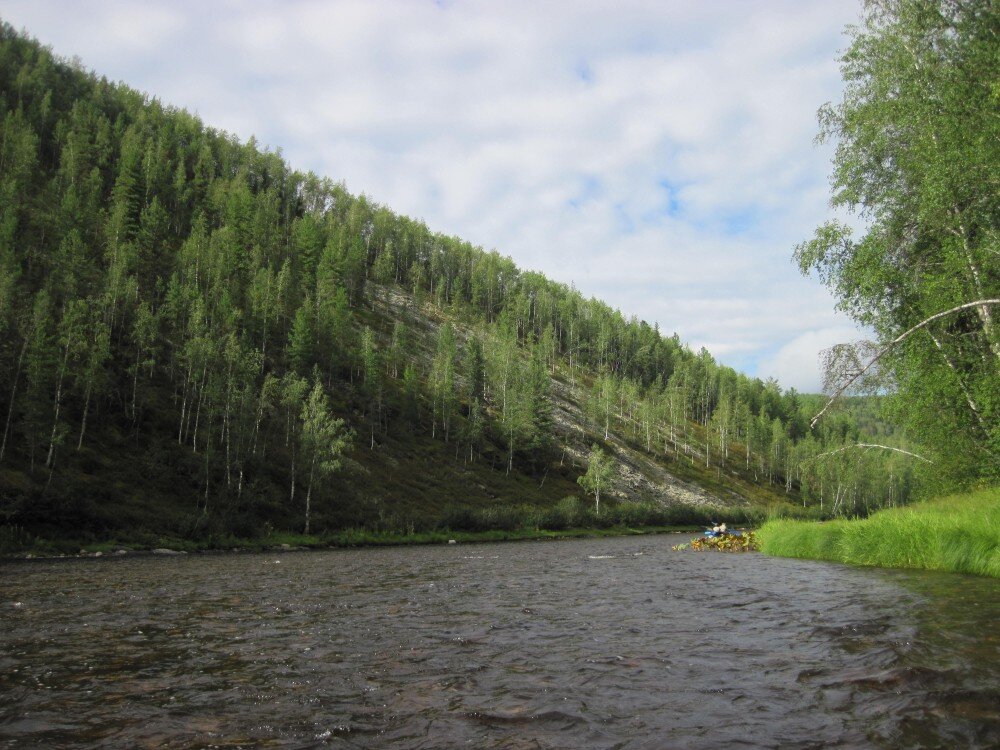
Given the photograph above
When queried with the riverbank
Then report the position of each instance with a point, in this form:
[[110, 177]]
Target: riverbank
[[959, 534], [349, 538], [502, 522]]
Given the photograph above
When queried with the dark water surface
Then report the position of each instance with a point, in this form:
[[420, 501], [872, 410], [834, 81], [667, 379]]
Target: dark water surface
[[573, 644]]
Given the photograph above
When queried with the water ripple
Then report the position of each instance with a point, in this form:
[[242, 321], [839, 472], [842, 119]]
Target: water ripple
[[584, 644]]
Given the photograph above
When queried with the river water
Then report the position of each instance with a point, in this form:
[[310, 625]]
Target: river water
[[613, 643]]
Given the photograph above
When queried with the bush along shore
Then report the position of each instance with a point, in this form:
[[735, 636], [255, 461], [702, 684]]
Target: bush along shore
[[566, 519], [959, 534], [288, 542]]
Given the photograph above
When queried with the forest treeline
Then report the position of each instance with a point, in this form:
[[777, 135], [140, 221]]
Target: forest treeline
[[173, 295]]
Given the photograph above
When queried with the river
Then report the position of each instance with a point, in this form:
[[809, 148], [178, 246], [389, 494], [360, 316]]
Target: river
[[611, 643]]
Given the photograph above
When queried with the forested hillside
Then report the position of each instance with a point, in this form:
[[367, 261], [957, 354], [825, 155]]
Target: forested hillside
[[199, 340]]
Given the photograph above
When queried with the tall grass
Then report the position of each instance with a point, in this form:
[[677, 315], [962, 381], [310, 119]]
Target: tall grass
[[959, 534]]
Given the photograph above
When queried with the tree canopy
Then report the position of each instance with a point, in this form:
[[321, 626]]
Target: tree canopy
[[918, 161]]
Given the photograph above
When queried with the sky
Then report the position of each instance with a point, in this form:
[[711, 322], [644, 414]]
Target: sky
[[657, 154]]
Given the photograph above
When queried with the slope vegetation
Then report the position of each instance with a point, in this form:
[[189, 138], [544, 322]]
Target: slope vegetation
[[200, 342]]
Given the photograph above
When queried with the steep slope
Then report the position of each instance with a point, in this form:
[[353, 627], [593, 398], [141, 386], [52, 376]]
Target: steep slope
[[658, 476], [199, 341]]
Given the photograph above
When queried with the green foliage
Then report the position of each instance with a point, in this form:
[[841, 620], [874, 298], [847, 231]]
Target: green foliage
[[443, 372], [302, 339], [959, 534], [563, 515], [918, 151], [600, 471], [496, 517]]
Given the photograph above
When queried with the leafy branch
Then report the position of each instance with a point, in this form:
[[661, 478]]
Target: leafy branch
[[888, 347]]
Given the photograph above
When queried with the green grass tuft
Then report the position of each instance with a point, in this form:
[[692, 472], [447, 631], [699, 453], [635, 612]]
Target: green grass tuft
[[959, 534]]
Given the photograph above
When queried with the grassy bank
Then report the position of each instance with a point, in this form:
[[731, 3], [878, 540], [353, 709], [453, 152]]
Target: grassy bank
[[500, 522], [959, 534], [45, 549]]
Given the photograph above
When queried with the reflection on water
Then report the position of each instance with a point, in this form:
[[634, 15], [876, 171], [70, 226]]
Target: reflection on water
[[574, 644]]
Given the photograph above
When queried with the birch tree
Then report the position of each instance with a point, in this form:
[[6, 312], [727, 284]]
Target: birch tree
[[918, 154], [324, 438], [600, 471]]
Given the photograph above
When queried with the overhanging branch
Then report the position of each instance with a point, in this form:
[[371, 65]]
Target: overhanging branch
[[888, 347], [869, 446]]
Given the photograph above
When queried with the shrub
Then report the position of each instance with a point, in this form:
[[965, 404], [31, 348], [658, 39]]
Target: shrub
[[563, 515]]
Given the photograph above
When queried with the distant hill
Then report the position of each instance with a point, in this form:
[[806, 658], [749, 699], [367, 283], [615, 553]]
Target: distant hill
[[199, 340]]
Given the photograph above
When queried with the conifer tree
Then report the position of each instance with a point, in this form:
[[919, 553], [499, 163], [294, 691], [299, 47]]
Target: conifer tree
[[443, 379], [371, 368], [302, 338]]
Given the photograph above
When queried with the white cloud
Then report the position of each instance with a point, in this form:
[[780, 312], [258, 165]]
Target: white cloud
[[657, 154], [797, 363]]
